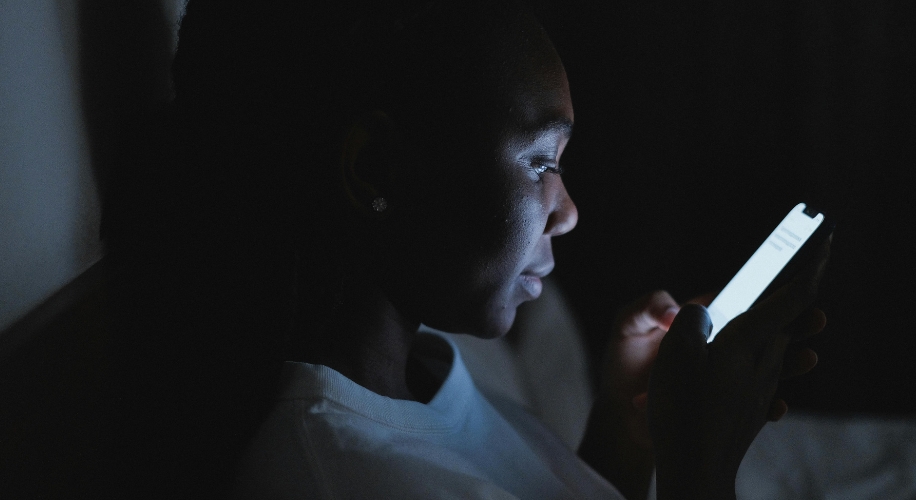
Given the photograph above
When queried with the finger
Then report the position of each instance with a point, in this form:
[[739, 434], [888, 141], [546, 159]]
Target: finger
[[776, 352], [778, 409], [655, 310], [693, 321], [682, 351], [663, 308], [807, 324], [703, 300], [798, 362], [781, 308]]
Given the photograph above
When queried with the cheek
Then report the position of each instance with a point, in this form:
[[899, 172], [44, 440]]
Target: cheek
[[510, 239], [485, 237], [458, 227], [500, 283], [521, 227], [463, 245]]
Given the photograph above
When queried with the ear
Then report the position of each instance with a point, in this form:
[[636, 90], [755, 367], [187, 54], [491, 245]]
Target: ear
[[369, 155]]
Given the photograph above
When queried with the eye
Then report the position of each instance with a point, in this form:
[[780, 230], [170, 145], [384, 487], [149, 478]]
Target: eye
[[541, 167]]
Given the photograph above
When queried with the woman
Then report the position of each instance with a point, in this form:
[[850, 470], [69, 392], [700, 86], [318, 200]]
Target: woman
[[454, 119]]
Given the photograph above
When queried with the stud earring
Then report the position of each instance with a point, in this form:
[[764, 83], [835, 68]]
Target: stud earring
[[379, 204]]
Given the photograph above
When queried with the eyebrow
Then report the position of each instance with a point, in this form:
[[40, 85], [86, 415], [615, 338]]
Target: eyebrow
[[561, 125]]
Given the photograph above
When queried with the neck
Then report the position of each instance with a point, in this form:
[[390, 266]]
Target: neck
[[367, 340]]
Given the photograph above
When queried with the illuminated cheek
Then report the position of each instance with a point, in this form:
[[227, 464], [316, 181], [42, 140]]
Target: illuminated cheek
[[525, 227]]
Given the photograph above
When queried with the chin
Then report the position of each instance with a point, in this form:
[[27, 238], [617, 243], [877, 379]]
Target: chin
[[490, 318], [498, 323], [492, 325]]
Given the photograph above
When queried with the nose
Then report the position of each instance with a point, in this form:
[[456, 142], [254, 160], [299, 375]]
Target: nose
[[564, 215]]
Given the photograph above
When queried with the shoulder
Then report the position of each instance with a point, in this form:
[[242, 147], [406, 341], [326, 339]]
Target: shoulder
[[327, 437], [322, 449]]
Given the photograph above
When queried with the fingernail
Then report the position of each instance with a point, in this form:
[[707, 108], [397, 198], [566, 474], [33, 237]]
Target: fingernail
[[669, 315]]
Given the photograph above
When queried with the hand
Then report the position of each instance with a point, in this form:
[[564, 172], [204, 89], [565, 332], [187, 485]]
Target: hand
[[638, 330], [707, 402], [616, 441]]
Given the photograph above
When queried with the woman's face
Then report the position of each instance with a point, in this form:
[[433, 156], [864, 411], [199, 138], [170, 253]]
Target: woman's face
[[476, 233]]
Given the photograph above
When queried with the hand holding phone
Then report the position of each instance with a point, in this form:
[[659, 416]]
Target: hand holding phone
[[708, 402], [764, 266]]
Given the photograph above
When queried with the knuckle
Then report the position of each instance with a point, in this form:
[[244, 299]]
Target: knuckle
[[662, 297]]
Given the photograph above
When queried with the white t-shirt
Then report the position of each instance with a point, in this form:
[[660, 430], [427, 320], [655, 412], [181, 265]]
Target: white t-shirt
[[329, 437]]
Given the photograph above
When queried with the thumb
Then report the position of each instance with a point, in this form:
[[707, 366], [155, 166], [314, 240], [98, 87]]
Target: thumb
[[682, 352]]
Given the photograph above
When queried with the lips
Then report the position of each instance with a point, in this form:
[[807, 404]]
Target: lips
[[540, 270], [532, 285], [531, 279]]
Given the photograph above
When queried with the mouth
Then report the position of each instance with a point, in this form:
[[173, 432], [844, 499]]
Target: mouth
[[531, 279], [532, 285], [540, 270]]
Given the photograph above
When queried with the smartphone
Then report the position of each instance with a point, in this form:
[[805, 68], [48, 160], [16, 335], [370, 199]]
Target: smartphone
[[769, 262]]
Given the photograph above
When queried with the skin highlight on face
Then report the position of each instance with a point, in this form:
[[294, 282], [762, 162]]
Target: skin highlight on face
[[475, 199], [490, 242]]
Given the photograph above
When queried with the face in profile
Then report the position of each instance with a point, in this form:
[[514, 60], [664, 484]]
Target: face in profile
[[476, 234]]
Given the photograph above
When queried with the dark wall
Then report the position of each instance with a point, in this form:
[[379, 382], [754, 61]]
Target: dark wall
[[699, 124]]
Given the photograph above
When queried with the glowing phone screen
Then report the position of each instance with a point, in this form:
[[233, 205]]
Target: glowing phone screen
[[757, 273]]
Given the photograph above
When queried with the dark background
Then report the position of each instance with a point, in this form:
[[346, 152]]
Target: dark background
[[700, 124]]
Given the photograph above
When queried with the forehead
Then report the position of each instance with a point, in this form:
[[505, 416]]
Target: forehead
[[470, 68], [536, 95], [526, 77], [538, 98]]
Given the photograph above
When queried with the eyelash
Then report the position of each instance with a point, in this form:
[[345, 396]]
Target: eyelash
[[541, 168]]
